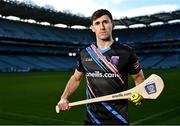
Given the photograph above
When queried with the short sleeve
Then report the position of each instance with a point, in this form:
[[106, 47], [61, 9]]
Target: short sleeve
[[133, 64], [79, 65]]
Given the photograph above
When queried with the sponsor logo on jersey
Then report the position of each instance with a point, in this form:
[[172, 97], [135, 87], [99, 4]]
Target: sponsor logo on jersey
[[88, 59], [99, 74]]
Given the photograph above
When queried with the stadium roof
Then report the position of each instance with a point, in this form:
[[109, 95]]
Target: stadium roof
[[148, 19], [41, 14]]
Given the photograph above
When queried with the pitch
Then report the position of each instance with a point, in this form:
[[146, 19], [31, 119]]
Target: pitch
[[29, 98]]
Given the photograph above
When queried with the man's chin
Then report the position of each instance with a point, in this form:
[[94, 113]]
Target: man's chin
[[105, 39]]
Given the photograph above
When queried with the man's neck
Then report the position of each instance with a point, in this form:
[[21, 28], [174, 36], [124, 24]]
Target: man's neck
[[104, 44]]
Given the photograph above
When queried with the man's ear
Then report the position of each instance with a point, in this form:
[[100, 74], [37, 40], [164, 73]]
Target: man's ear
[[113, 24], [92, 28]]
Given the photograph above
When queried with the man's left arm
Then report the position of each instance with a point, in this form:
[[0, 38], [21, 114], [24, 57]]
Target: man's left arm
[[138, 78]]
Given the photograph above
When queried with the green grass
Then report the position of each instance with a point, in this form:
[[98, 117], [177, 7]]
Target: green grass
[[166, 107], [30, 98]]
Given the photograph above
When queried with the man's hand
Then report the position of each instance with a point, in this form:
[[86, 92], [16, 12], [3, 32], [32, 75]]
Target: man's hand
[[63, 104], [136, 98]]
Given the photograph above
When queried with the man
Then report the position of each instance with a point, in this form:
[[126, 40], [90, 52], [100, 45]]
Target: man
[[106, 65]]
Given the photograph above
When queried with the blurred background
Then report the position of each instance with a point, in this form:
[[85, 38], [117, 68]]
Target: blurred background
[[40, 42]]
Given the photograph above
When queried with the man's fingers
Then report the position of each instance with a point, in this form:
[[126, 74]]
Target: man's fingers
[[62, 106], [57, 109], [137, 104], [136, 98]]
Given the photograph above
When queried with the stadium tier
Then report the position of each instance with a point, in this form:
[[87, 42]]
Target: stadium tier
[[15, 29], [48, 34], [161, 61], [26, 47], [24, 63]]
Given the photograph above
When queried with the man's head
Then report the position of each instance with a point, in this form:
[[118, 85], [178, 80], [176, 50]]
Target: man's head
[[102, 25], [100, 13]]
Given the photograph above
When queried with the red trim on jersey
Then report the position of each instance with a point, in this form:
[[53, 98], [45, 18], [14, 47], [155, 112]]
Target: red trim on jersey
[[106, 62]]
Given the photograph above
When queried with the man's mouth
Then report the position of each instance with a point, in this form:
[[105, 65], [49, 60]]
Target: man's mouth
[[103, 33]]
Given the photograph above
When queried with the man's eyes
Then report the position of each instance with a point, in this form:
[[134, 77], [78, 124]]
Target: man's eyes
[[97, 23], [104, 22]]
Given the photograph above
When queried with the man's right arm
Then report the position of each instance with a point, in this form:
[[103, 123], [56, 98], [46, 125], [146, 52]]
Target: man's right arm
[[71, 86]]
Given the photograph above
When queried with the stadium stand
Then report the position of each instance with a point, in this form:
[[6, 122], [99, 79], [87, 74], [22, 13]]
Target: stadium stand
[[24, 63], [150, 33], [44, 33], [31, 47]]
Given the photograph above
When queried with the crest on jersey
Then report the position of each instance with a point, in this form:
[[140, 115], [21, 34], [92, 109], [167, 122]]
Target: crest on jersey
[[115, 60]]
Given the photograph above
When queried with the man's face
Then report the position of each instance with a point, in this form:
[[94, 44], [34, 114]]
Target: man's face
[[102, 27]]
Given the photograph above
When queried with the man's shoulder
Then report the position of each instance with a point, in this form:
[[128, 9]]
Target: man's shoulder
[[122, 46], [83, 50]]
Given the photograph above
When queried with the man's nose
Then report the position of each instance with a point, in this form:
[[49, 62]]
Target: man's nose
[[102, 26]]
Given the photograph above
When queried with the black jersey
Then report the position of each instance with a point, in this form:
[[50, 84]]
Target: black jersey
[[107, 73]]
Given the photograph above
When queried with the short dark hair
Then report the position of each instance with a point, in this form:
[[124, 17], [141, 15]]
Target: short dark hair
[[100, 13]]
